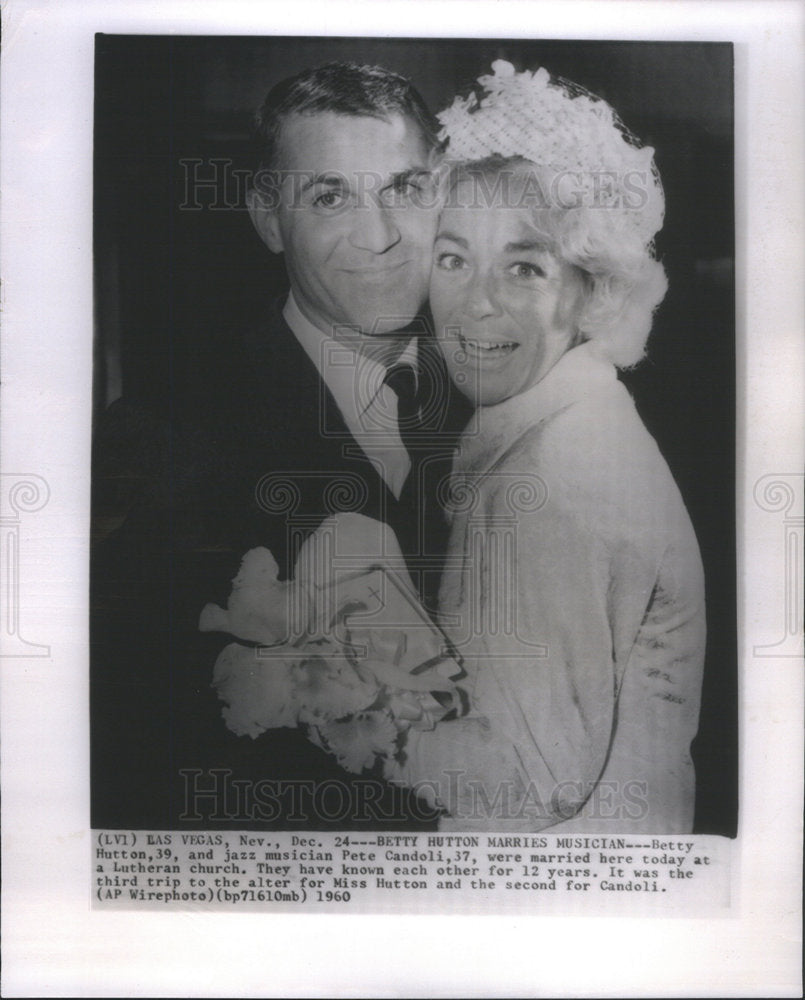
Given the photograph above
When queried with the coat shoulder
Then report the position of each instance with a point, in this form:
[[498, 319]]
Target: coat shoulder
[[598, 463]]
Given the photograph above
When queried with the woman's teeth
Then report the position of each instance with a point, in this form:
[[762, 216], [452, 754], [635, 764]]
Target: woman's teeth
[[488, 347]]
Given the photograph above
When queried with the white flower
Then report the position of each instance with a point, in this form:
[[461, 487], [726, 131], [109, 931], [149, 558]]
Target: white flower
[[355, 691], [257, 690], [328, 687], [260, 608], [356, 742]]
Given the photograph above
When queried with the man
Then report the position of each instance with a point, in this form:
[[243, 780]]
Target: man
[[302, 420], [348, 193]]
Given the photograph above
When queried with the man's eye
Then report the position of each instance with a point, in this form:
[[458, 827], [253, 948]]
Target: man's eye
[[450, 262], [407, 185], [524, 269], [401, 190], [329, 199]]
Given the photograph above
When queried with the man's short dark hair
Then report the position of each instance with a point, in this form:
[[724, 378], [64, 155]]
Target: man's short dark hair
[[342, 89]]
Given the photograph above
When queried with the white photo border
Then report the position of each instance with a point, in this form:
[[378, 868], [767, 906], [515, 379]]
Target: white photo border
[[54, 944]]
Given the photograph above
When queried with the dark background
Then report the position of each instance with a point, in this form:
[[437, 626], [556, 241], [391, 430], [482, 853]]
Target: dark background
[[173, 282]]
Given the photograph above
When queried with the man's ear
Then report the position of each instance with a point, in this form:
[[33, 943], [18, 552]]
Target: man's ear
[[264, 219]]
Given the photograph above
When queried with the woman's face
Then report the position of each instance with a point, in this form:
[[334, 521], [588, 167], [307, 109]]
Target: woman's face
[[504, 306]]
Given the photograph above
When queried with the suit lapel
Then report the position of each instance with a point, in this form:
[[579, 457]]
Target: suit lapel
[[301, 424], [297, 431]]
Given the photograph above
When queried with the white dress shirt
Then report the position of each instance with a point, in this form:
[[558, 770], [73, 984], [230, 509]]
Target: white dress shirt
[[367, 404]]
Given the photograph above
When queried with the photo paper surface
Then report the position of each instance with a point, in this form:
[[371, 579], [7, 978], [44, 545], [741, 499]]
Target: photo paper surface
[[413, 423]]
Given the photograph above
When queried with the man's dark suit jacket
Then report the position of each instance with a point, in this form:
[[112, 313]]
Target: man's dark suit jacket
[[253, 453]]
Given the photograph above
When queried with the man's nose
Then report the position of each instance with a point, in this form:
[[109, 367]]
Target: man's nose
[[482, 299], [375, 229]]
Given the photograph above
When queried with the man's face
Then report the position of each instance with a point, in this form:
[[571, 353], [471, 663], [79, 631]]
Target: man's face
[[356, 219]]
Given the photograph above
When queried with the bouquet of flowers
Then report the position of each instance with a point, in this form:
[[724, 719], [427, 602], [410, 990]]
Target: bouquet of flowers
[[343, 650]]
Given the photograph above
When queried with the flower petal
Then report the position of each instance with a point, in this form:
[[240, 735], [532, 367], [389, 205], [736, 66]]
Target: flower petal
[[329, 687], [356, 742], [260, 608], [257, 690]]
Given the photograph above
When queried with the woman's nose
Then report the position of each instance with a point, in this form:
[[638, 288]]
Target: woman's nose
[[375, 229], [482, 298]]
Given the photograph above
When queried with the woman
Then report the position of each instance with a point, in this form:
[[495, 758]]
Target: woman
[[574, 587]]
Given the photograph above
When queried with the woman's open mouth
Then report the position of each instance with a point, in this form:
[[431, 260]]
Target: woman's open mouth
[[486, 349]]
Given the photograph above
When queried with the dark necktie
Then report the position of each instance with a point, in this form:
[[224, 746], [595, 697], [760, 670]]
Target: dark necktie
[[402, 379], [416, 518]]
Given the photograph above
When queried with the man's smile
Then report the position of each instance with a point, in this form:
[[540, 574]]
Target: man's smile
[[371, 271]]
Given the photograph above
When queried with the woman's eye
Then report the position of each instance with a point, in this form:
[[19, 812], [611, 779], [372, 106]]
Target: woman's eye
[[524, 269], [450, 261]]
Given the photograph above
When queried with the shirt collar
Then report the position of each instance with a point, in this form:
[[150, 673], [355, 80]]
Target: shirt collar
[[354, 380]]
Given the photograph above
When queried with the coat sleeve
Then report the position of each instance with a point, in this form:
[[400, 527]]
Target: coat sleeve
[[588, 566], [554, 686]]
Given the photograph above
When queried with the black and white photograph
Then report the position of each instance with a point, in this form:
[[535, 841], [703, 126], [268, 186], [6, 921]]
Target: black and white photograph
[[401, 498], [447, 319]]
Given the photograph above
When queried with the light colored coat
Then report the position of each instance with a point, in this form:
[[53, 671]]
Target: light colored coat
[[574, 592]]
